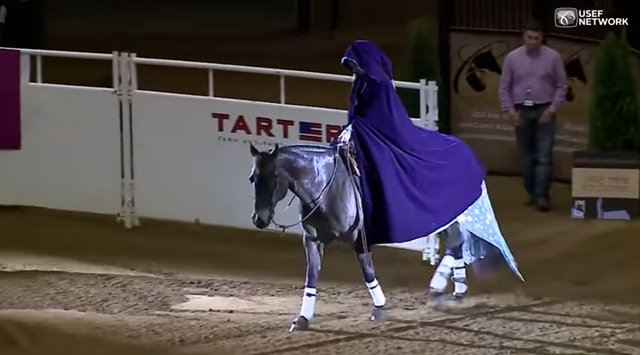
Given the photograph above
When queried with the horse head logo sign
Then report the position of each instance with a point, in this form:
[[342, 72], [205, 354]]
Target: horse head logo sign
[[478, 64], [576, 75], [566, 17]]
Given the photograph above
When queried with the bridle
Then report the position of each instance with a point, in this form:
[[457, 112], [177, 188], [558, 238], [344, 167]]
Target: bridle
[[316, 202]]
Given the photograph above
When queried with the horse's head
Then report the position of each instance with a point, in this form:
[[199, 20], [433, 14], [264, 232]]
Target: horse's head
[[268, 187]]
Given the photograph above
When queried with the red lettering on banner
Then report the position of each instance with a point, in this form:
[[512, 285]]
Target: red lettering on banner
[[285, 124], [264, 125], [221, 117], [241, 125], [333, 132]]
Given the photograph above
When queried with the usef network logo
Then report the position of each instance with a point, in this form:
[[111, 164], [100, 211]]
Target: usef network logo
[[569, 17], [566, 17]]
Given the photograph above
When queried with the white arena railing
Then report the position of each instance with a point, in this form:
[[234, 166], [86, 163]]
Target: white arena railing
[[281, 73], [153, 154]]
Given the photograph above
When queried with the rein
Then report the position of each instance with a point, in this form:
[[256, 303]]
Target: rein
[[317, 201], [323, 193]]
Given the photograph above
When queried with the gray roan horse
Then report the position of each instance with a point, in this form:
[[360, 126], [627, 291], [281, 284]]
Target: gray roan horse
[[330, 210]]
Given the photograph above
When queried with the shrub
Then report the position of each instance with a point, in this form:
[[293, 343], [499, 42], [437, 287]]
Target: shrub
[[422, 62], [614, 121]]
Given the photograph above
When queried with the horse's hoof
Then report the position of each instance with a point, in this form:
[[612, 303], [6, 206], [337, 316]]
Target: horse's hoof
[[299, 324], [378, 314], [459, 297], [435, 296], [450, 302]]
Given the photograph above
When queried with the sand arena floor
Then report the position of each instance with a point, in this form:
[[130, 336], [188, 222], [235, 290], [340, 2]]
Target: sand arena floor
[[78, 284]]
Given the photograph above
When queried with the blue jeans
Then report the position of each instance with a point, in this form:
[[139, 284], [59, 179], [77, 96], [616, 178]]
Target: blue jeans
[[535, 145]]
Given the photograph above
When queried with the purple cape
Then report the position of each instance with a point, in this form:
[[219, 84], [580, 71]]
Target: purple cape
[[414, 181]]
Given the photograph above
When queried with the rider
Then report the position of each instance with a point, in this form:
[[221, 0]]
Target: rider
[[414, 181]]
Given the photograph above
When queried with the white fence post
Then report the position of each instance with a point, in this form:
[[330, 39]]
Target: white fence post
[[424, 122], [115, 72], [431, 249], [124, 91], [133, 86], [210, 81], [39, 69], [432, 90], [283, 95], [429, 120], [25, 68]]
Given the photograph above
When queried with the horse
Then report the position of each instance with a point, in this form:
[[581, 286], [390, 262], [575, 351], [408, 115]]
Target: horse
[[322, 178]]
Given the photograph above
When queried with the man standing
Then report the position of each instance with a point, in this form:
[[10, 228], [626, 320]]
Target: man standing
[[532, 90]]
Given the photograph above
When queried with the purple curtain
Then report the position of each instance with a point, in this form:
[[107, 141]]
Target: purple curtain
[[10, 137]]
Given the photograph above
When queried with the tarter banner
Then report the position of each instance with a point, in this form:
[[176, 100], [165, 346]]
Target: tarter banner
[[476, 64], [10, 138]]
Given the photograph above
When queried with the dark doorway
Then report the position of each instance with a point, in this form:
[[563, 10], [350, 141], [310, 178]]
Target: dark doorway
[[23, 27]]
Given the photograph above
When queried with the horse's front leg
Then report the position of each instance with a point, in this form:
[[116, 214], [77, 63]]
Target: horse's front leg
[[369, 275], [313, 257]]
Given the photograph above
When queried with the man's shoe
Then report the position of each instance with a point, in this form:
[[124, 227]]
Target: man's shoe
[[530, 202], [543, 205]]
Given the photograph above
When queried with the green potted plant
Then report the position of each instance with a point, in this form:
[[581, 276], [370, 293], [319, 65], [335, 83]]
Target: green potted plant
[[606, 178], [422, 62], [614, 123]]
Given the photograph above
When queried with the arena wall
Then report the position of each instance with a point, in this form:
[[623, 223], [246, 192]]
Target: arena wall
[[137, 153]]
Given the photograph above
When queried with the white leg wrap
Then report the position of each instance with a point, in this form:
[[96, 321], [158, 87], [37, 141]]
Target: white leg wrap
[[375, 290], [446, 264], [443, 271], [308, 303], [459, 277]]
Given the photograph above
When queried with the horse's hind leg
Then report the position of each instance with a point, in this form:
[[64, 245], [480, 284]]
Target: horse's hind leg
[[459, 274], [369, 276], [313, 256], [452, 263]]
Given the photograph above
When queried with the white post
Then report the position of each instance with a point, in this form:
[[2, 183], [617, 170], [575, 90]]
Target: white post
[[424, 122], [39, 69], [431, 249], [115, 72], [427, 108], [133, 73], [25, 68], [133, 87], [283, 97], [117, 80], [124, 90], [432, 89], [210, 82]]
